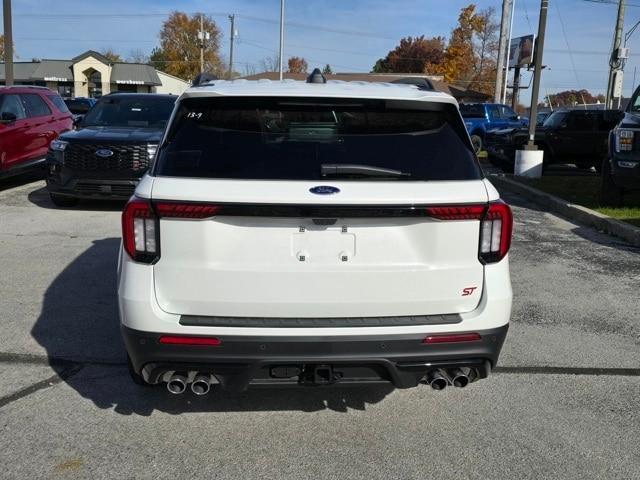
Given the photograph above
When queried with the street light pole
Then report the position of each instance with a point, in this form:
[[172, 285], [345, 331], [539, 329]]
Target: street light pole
[[537, 73], [201, 43], [8, 43], [281, 66]]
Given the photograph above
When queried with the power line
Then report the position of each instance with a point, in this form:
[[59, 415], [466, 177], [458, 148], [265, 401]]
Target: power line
[[566, 41]]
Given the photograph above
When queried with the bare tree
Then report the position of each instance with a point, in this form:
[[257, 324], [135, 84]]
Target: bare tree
[[111, 54], [137, 56], [269, 64], [248, 69]]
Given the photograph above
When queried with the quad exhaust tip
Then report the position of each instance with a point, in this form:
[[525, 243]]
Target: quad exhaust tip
[[177, 384], [201, 384], [437, 380], [458, 377]]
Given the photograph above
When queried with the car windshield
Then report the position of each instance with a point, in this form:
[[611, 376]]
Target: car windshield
[[303, 139], [555, 119], [472, 111], [634, 107], [138, 111]]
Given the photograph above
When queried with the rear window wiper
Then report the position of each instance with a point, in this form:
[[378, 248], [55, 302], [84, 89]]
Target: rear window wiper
[[335, 169]]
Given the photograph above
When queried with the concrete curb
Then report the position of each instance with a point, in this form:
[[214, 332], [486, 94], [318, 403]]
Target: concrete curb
[[577, 213]]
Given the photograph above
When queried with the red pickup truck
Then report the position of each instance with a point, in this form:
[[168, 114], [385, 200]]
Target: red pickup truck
[[30, 118]]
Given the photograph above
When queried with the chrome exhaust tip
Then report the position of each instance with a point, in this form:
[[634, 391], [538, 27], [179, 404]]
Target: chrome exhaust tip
[[459, 377], [437, 380], [201, 384], [177, 384]]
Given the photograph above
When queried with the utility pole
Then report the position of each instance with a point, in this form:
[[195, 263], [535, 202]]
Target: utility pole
[[614, 61], [203, 37], [8, 43], [537, 73], [281, 62], [232, 18], [516, 88], [506, 60], [502, 49]]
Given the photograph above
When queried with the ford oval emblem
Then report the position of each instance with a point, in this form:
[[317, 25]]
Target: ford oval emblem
[[324, 190], [104, 153]]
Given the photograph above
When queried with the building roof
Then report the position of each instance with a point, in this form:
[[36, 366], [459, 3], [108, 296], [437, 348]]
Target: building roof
[[134, 74], [332, 89], [54, 71], [94, 54]]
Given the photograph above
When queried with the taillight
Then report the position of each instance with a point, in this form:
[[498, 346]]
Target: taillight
[[140, 231], [185, 210], [496, 224], [495, 232]]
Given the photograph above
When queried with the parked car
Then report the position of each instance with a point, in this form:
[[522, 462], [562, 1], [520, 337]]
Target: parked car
[[314, 233], [480, 118], [30, 118], [567, 136], [541, 117], [111, 150], [79, 106], [621, 165]]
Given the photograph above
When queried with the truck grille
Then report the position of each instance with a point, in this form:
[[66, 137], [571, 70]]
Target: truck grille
[[126, 157]]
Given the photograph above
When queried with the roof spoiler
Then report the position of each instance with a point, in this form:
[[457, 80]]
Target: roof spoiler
[[203, 78]]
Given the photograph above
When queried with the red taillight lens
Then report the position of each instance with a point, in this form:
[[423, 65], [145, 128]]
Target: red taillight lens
[[495, 232], [140, 231], [453, 338], [185, 210], [457, 212], [198, 341]]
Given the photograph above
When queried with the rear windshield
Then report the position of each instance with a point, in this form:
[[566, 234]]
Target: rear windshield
[[472, 111], [137, 111], [78, 107], [296, 138]]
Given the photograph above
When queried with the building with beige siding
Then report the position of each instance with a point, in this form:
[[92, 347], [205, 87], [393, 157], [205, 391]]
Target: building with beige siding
[[93, 75]]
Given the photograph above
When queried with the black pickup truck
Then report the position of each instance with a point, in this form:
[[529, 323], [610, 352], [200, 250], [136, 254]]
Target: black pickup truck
[[566, 136], [621, 165]]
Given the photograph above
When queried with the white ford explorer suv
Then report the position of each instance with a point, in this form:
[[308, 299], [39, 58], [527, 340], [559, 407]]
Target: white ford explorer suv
[[316, 232]]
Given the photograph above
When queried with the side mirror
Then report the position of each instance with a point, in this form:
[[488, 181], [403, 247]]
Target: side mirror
[[8, 117]]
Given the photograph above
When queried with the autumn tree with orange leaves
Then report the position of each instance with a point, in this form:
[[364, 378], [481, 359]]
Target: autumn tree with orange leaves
[[179, 51], [413, 55], [297, 65]]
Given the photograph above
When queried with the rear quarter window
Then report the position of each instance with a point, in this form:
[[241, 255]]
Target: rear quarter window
[[292, 138], [35, 106], [59, 103]]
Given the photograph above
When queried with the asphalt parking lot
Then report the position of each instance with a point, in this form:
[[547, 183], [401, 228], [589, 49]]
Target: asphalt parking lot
[[563, 404]]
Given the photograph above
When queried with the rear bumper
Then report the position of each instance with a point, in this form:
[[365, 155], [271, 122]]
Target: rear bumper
[[240, 361]]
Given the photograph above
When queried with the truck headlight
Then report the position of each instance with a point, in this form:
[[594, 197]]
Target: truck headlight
[[624, 140], [152, 148], [58, 145]]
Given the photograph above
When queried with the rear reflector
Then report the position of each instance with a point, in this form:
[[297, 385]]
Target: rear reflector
[[200, 341], [453, 338]]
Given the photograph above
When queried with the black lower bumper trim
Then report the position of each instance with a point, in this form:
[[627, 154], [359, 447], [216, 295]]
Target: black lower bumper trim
[[240, 361], [193, 320]]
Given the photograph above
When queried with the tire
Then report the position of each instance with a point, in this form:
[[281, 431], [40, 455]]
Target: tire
[[62, 201], [610, 193], [135, 377], [477, 142]]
